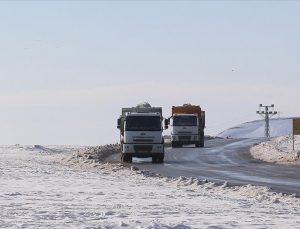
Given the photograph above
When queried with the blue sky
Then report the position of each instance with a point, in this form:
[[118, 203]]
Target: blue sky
[[67, 67]]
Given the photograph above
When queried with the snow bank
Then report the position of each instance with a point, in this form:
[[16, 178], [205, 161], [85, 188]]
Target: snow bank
[[88, 157], [98, 153], [278, 150], [256, 129]]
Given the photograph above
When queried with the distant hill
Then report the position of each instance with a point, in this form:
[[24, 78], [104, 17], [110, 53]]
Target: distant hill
[[256, 129]]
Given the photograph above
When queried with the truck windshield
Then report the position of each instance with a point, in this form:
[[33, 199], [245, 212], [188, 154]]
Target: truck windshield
[[143, 123], [184, 121]]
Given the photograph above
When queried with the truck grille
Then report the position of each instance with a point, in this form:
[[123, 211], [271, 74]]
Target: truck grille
[[184, 138], [184, 132], [143, 148], [143, 140]]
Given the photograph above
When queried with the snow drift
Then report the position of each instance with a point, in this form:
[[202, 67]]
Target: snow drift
[[278, 150]]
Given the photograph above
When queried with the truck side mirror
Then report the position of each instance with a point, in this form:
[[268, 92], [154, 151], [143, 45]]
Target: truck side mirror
[[119, 123]]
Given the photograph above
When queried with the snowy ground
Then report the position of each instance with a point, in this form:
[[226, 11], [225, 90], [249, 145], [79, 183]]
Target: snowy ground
[[55, 187], [256, 129], [278, 150]]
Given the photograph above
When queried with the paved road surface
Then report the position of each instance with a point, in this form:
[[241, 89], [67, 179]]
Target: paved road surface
[[224, 160]]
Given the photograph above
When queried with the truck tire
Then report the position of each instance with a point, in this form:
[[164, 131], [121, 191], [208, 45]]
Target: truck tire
[[199, 144], [122, 158], [202, 140], [158, 158], [154, 159], [173, 144], [202, 144], [126, 158]]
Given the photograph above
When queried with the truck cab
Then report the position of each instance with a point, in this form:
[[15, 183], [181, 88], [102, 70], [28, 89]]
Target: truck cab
[[141, 134], [187, 126], [184, 129]]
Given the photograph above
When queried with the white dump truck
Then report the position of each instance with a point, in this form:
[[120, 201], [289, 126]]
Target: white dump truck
[[141, 133], [187, 125]]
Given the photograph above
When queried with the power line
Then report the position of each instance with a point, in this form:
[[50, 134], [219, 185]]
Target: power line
[[266, 114]]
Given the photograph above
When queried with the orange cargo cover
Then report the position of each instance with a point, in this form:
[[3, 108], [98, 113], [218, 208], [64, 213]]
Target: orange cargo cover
[[189, 109]]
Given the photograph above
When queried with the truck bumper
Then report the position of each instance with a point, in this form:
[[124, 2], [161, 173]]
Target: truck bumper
[[140, 150], [185, 139]]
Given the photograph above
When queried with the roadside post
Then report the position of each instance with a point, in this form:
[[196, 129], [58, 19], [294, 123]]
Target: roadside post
[[296, 129]]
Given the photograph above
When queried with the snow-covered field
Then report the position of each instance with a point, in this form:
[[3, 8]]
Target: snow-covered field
[[256, 129], [56, 187], [278, 150]]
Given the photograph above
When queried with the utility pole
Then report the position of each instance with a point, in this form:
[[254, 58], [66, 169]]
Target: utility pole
[[266, 114]]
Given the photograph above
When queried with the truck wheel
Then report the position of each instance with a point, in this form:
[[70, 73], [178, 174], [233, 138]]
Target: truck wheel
[[202, 140], [130, 159], [176, 144], [158, 158], [126, 158], [199, 144], [161, 158], [122, 158], [154, 159], [173, 144]]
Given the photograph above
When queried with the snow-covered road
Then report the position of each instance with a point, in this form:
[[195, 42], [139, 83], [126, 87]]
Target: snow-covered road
[[225, 160], [49, 188]]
